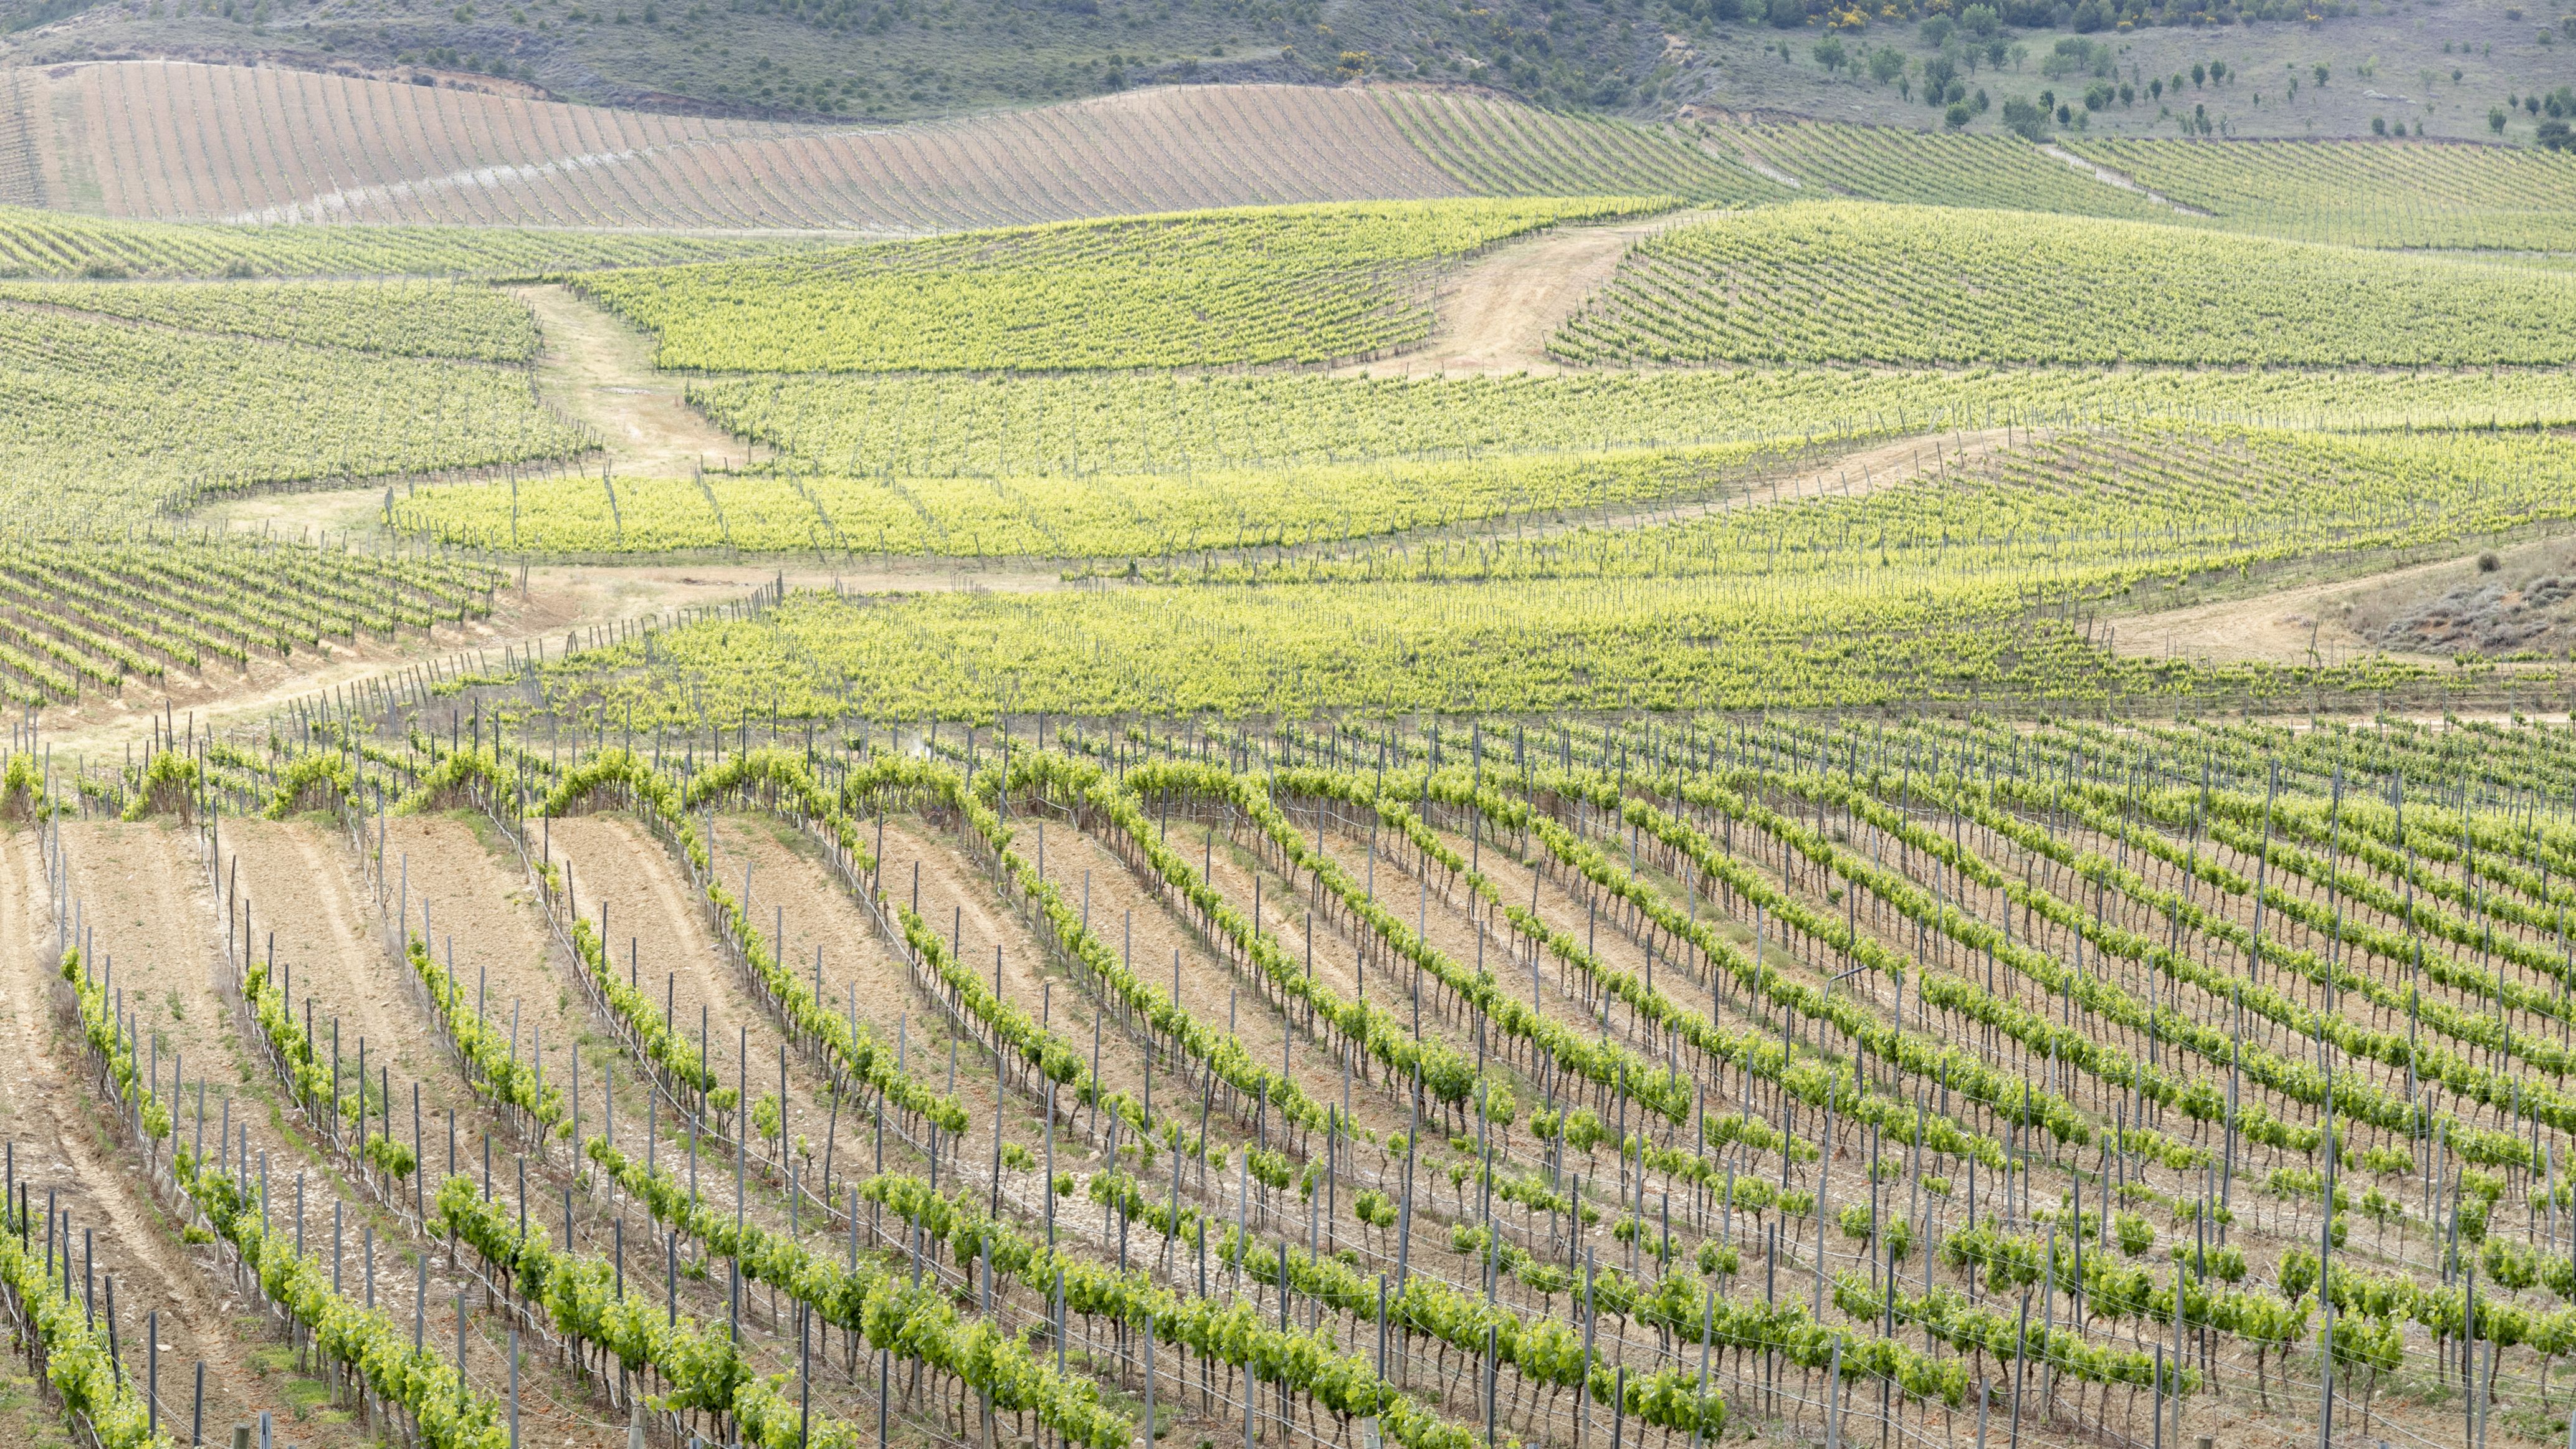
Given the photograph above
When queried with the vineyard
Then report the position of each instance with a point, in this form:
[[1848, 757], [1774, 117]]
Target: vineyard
[[1845, 282], [1914, 1124], [1509, 151], [2487, 198], [1968, 579], [1883, 163], [1766, 583], [85, 614], [179, 141], [1277, 284], [1090, 516], [410, 318], [934, 426], [50, 244], [113, 421]]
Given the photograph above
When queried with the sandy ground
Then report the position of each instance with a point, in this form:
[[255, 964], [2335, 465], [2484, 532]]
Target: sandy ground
[[2309, 622], [600, 371], [1497, 314], [658, 932], [794, 889]]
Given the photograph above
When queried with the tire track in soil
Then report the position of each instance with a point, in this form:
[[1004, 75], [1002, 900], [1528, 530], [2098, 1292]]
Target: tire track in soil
[[482, 918], [306, 901], [64, 1146]]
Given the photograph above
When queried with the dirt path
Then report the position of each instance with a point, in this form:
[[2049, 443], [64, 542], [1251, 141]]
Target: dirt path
[[1497, 314], [601, 372], [1853, 475], [2289, 626], [2315, 622], [559, 600]]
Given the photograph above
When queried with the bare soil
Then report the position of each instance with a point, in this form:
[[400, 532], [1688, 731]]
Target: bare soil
[[156, 919], [68, 1153], [2335, 620], [1497, 314], [600, 371]]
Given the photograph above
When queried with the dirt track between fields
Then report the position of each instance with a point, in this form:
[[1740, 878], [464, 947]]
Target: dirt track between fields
[[599, 371], [1498, 313], [2302, 624]]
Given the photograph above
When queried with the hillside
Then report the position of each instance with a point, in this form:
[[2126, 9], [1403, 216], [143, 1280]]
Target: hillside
[[895, 60], [160, 140]]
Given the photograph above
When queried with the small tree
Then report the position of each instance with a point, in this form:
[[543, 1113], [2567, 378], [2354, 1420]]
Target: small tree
[[1829, 54], [1886, 64], [2495, 119]]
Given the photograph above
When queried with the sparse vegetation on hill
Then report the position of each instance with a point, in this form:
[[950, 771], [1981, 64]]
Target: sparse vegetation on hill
[[815, 60]]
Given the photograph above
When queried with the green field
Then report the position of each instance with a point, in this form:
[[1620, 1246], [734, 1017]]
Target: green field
[[1291, 284], [106, 421], [1849, 282], [1888, 163], [2392, 195], [407, 318]]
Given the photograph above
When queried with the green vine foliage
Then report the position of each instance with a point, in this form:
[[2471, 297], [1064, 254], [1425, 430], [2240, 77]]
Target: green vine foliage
[[429, 1389], [498, 1073], [1385, 1034], [1228, 1330], [915, 1323], [168, 783], [857, 1048], [319, 772]]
